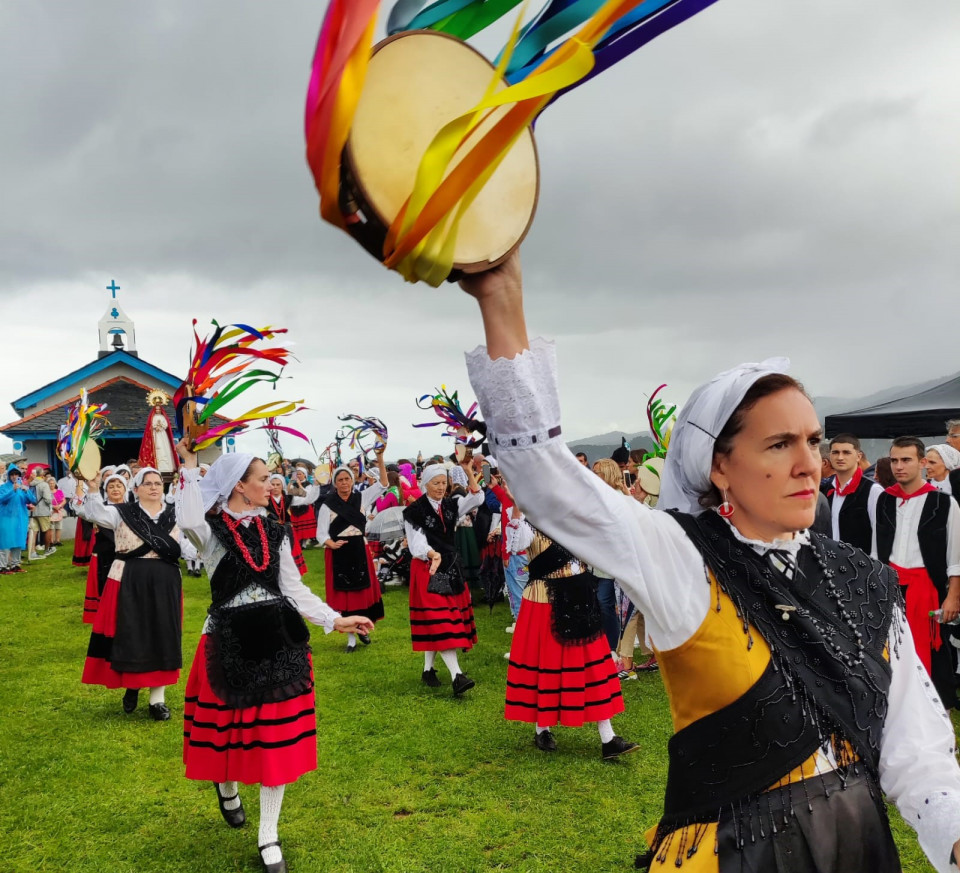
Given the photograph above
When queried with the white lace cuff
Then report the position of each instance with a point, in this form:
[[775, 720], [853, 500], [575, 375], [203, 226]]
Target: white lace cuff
[[938, 828], [518, 397]]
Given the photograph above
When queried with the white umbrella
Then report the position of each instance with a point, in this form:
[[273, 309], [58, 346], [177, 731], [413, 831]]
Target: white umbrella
[[386, 525]]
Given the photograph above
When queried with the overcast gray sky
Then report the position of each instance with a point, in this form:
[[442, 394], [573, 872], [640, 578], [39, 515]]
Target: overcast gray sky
[[768, 178]]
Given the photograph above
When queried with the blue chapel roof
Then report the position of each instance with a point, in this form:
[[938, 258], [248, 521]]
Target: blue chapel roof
[[37, 397]]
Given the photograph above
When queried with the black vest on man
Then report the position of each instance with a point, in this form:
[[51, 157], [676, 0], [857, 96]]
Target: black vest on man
[[931, 532], [855, 525]]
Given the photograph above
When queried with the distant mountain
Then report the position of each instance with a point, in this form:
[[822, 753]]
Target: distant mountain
[[602, 445]]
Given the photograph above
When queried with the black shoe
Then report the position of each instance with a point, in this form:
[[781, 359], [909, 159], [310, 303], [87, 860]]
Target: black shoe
[[350, 649], [364, 638], [277, 867], [233, 817], [130, 698], [545, 742], [462, 682], [429, 677], [159, 712], [616, 747]]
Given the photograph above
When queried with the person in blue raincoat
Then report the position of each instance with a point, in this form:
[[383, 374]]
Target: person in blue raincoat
[[16, 499]]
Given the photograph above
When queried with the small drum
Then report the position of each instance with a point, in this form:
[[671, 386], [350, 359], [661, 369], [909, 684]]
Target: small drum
[[417, 82], [87, 465]]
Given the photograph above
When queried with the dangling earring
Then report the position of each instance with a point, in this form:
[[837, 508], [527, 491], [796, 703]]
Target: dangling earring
[[725, 509]]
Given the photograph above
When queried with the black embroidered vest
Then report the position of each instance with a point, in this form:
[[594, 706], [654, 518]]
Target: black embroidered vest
[[826, 683], [931, 532], [854, 520]]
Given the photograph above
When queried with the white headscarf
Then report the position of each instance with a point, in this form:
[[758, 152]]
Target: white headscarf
[[138, 479], [686, 474], [279, 477], [343, 468], [948, 454], [222, 477], [432, 472], [111, 478]]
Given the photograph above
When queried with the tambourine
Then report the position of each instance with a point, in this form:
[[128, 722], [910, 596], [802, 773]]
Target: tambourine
[[321, 474], [417, 82], [87, 465]]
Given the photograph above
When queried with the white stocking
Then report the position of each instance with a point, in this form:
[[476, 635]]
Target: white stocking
[[230, 789], [271, 800], [429, 658], [351, 640], [606, 730], [156, 696], [450, 659]]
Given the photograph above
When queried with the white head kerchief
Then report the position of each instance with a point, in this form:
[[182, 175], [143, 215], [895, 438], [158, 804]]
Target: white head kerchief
[[113, 477], [686, 474], [222, 477], [343, 468], [431, 472], [948, 454], [138, 479], [278, 478]]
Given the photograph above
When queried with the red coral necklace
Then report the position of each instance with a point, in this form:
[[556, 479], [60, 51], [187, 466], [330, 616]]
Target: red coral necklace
[[233, 525]]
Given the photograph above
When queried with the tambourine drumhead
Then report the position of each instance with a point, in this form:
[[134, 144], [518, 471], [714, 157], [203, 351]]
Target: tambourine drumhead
[[321, 474], [88, 464], [461, 449], [416, 83]]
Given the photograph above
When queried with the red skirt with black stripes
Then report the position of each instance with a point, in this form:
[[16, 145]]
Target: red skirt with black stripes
[[304, 521], [367, 602], [82, 543], [270, 744], [549, 683], [438, 622], [91, 597], [297, 553]]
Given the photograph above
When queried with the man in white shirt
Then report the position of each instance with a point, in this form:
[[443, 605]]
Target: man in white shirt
[[852, 496], [918, 534]]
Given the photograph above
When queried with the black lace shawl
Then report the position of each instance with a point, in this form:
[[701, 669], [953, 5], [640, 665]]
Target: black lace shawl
[[155, 534], [575, 610]]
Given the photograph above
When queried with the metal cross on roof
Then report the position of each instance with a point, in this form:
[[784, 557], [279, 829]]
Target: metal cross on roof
[[113, 288]]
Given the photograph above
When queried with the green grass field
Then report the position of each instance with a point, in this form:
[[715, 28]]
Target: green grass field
[[409, 780]]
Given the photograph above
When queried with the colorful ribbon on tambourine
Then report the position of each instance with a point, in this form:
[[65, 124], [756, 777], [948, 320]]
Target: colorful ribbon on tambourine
[[332, 454], [421, 238], [363, 427], [660, 419], [85, 421], [221, 369], [448, 410]]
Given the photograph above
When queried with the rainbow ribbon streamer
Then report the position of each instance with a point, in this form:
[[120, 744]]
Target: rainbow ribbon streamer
[[221, 369], [660, 420], [448, 409], [567, 43], [85, 421], [364, 427]]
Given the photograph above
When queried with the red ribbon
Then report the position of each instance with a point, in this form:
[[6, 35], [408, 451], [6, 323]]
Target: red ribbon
[[897, 491]]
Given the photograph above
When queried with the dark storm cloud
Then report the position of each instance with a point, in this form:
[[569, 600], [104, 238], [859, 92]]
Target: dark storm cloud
[[761, 177]]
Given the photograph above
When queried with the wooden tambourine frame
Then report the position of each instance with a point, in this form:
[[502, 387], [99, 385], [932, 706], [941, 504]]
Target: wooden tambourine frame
[[400, 111]]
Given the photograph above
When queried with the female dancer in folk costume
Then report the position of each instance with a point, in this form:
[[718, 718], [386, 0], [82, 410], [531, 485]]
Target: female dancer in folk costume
[[279, 508], [136, 637], [249, 715], [441, 613], [352, 584], [303, 515], [83, 538], [755, 621], [560, 669], [113, 489]]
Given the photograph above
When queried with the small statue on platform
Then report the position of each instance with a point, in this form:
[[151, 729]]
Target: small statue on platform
[[157, 449]]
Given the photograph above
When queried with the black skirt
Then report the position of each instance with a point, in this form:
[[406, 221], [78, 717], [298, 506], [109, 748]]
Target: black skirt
[[149, 618]]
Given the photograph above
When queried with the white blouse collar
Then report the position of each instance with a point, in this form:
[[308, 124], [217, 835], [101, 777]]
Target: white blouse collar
[[801, 538], [246, 514]]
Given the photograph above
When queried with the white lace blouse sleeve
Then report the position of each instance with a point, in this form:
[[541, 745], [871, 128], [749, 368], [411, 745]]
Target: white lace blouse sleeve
[[519, 535], [310, 495], [324, 517], [918, 765], [646, 550], [416, 541], [369, 496], [466, 502], [91, 508], [188, 505], [311, 607]]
